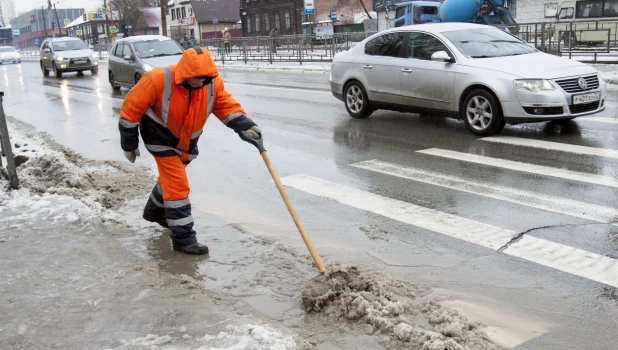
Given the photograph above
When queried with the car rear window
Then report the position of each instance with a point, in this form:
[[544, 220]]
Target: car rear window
[[385, 45]]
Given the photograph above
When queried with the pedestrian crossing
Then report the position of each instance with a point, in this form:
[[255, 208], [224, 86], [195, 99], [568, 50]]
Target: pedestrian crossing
[[562, 257]]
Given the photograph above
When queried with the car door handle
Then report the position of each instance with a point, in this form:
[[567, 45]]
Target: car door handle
[[406, 70], [367, 66]]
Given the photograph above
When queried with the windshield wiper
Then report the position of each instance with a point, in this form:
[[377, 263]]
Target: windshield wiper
[[161, 54], [482, 56]]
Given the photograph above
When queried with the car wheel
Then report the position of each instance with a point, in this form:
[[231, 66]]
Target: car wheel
[[356, 100], [44, 70], [482, 113], [94, 71], [112, 81], [57, 72], [137, 77]]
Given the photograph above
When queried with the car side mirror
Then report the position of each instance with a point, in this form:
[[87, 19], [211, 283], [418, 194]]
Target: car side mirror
[[47, 50], [128, 58], [441, 56]]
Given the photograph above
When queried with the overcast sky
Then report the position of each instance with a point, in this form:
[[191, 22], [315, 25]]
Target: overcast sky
[[27, 5]]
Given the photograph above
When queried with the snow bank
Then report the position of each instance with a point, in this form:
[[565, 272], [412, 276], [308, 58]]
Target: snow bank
[[245, 337], [400, 311], [69, 178]]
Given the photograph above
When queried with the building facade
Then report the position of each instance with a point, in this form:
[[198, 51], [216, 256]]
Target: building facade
[[93, 29], [195, 19], [35, 25], [7, 12], [260, 16]]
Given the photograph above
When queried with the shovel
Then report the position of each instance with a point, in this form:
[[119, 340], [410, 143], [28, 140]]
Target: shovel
[[259, 144]]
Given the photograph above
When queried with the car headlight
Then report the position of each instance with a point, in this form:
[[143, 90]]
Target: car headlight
[[60, 58], [94, 56], [534, 85], [146, 67], [1, 56]]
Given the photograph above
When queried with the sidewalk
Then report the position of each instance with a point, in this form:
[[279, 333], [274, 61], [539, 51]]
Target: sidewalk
[[69, 282]]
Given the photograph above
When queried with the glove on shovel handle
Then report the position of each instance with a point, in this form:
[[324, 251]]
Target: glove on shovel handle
[[259, 144]]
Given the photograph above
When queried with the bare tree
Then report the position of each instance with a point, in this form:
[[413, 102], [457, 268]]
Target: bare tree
[[128, 10]]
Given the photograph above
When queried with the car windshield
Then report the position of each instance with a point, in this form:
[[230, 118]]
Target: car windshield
[[7, 49], [156, 48], [69, 45], [487, 42]]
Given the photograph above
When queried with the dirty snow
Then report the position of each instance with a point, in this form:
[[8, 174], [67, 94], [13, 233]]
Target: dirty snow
[[399, 311]]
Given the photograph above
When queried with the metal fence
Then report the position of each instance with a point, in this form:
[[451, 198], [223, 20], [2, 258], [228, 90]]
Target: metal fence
[[590, 41], [593, 41], [293, 48]]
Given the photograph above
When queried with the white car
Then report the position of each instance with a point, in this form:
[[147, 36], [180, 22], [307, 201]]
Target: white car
[[480, 73], [8, 54]]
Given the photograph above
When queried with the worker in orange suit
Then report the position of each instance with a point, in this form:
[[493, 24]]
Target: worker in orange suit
[[169, 106]]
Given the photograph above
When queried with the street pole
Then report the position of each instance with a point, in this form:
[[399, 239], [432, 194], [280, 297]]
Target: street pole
[[106, 23], [163, 19], [58, 20], [44, 22], [51, 18]]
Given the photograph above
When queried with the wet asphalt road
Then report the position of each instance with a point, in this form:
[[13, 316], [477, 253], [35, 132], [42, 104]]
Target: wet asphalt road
[[309, 134]]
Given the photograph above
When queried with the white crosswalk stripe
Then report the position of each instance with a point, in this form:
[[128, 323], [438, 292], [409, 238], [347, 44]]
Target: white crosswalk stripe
[[553, 146], [558, 256], [522, 197], [523, 167]]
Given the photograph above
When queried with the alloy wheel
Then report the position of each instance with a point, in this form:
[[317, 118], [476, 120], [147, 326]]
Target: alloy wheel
[[354, 99], [479, 112]]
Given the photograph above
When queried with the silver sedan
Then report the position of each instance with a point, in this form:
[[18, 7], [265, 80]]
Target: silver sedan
[[478, 73]]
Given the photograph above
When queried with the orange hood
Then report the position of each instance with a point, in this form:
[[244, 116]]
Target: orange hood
[[192, 65]]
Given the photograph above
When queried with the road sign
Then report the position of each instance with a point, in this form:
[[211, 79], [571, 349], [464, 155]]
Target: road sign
[[128, 27], [309, 8], [113, 29], [104, 11], [37, 41], [333, 15], [215, 21], [67, 21], [16, 33], [78, 32]]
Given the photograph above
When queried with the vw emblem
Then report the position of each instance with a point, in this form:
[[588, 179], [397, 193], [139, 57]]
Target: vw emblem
[[583, 83]]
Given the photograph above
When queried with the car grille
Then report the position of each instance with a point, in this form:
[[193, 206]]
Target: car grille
[[588, 107], [546, 110], [572, 84], [73, 64]]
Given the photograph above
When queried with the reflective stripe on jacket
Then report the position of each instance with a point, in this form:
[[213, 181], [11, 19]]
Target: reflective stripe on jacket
[[170, 117]]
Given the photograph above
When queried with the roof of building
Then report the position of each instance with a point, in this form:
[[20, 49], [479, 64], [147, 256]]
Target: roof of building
[[80, 20], [223, 10], [152, 16]]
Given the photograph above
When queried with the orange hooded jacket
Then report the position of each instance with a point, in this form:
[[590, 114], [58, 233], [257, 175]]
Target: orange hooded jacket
[[187, 111]]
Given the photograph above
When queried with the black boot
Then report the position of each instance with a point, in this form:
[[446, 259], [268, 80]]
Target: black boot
[[193, 249], [148, 216]]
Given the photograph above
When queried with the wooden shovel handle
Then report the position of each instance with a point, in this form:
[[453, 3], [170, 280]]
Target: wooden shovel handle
[[288, 204]]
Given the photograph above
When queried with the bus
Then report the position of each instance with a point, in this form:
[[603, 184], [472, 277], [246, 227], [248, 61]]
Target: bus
[[583, 15]]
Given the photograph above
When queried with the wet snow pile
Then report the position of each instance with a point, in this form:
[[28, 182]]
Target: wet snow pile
[[400, 312], [245, 337], [53, 170]]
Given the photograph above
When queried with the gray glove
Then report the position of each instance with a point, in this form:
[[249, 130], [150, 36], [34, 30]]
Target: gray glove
[[131, 155], [253, 133]]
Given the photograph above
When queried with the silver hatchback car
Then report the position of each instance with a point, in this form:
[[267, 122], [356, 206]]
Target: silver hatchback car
[[479, 73], [67, 54], [130, 58]]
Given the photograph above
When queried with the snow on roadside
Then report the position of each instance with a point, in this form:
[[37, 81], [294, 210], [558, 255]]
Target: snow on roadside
[[248, 336], [61, 176]]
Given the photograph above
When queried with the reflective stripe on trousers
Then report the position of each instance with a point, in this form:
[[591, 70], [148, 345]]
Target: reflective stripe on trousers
[[173, 190]]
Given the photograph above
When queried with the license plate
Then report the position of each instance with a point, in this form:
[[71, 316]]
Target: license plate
[[79, 61], [586, 98]]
